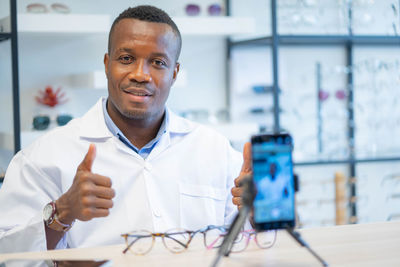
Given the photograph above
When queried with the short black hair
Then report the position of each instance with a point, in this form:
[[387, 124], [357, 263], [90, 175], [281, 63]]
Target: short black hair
[[150, 14]]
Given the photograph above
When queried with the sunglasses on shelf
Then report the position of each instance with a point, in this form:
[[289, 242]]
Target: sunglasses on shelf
[[42, 122], [194, 10], [42, 8]]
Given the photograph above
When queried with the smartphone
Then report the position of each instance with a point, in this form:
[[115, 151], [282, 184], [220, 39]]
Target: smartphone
[[274, 203]]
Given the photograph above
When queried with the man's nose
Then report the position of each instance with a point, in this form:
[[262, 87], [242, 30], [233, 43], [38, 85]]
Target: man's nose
[[140, 72]]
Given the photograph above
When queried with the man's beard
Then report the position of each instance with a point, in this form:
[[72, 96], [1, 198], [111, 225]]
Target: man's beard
[[136, 114]]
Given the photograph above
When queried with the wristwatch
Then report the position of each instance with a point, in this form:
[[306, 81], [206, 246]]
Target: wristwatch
[[51, 220]]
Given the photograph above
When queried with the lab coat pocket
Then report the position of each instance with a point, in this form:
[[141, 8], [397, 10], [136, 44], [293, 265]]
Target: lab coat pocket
[[201, 205]]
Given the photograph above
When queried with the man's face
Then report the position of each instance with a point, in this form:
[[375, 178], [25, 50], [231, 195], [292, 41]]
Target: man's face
[[140, 69]]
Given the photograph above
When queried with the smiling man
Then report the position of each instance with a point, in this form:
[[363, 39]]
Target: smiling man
[[129, 163]]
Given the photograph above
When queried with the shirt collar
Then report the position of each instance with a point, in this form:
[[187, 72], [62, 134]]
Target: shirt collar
[[118, 133], [94, 123]]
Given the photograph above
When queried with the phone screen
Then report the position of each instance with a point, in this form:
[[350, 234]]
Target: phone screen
[[273, 178]]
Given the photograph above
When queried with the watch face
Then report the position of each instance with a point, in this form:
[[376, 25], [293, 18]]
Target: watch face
[[47, 212]]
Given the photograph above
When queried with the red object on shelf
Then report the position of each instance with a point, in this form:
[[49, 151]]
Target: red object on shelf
[[51, 98]]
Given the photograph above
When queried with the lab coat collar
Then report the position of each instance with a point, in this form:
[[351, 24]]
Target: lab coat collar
[[94, 125], [179, 125]]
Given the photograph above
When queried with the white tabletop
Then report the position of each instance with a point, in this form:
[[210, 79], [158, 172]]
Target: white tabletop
[[375, 244]]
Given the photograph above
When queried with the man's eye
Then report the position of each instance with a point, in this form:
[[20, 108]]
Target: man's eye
[[125, 59], [159, 63]]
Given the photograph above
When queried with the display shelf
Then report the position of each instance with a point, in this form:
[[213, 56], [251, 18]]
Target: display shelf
[[339, 39], [60, 23], [275, 41], [215, 25], [322, 40], [83, 24], [346, 161]]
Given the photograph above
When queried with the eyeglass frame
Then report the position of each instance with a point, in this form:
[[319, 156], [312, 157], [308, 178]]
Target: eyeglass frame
[[153, 236], [248, 233]]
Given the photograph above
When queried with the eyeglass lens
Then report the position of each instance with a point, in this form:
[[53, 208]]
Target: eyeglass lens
[[41, 122], [63, 119], [176, 240], [265, 239], [194, 10], [139, 242]]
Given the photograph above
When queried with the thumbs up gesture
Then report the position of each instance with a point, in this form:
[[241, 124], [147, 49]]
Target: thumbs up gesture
[[89, 196], [246, 170]]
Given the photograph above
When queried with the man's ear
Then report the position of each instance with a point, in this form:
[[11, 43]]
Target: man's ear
[[106, 58], [176, 70]]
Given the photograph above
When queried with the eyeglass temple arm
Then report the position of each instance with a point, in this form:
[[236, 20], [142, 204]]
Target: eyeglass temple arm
[[300, 240], [215, 241], [133, 242], [177, 241]]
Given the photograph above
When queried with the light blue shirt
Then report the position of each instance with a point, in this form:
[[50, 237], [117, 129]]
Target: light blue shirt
[[144, 151]]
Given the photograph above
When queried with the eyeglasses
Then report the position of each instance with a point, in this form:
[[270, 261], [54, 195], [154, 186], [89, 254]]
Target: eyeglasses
[[194, 10], [177, 240], [141, 242], [42, 122], [214, 235], [340, 94], [41, 8]]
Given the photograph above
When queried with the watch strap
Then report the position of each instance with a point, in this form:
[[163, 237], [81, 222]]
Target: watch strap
[[54, 223]]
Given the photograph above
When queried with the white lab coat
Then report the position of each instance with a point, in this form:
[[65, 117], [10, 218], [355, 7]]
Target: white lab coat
[[184, 182]]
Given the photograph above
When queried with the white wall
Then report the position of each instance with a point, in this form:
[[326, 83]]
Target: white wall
[[202, 63]]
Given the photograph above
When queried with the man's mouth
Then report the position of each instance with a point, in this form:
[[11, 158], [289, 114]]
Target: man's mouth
[[137, 92], [138, 95]]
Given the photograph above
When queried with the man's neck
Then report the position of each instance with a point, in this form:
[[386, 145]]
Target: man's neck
[[138, 131]]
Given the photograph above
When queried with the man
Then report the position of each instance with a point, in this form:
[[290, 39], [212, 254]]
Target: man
[[129, 163]]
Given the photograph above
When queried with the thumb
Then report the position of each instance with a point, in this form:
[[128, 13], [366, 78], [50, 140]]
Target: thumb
[[247, 164], [87, 162]]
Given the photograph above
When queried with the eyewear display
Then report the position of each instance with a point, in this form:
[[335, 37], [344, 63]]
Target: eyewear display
[[177, 240], [41, 8], [194, 10], [42, 122]]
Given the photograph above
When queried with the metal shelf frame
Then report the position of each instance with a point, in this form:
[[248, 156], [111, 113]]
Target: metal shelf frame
[[348, 42], [322, 40], [345, 161], [13, 36]]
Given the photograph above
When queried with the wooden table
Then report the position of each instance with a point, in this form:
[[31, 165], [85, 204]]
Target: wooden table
[[375, 244]]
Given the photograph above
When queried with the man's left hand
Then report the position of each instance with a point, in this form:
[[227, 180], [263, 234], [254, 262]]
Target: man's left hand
[[247, 169]]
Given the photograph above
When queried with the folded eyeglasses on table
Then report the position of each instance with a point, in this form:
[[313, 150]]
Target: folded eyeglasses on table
[[177, 240]]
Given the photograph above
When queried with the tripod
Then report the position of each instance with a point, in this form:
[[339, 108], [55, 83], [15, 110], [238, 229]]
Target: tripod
[[248, 196], [300, 240]]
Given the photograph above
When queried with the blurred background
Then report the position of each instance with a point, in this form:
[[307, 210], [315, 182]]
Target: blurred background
[[327, 71]]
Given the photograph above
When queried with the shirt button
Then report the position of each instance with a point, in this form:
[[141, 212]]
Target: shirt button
[[147, 166], [156, 213]]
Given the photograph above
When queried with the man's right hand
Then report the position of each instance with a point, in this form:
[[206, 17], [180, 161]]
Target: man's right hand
[[89, 196]]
